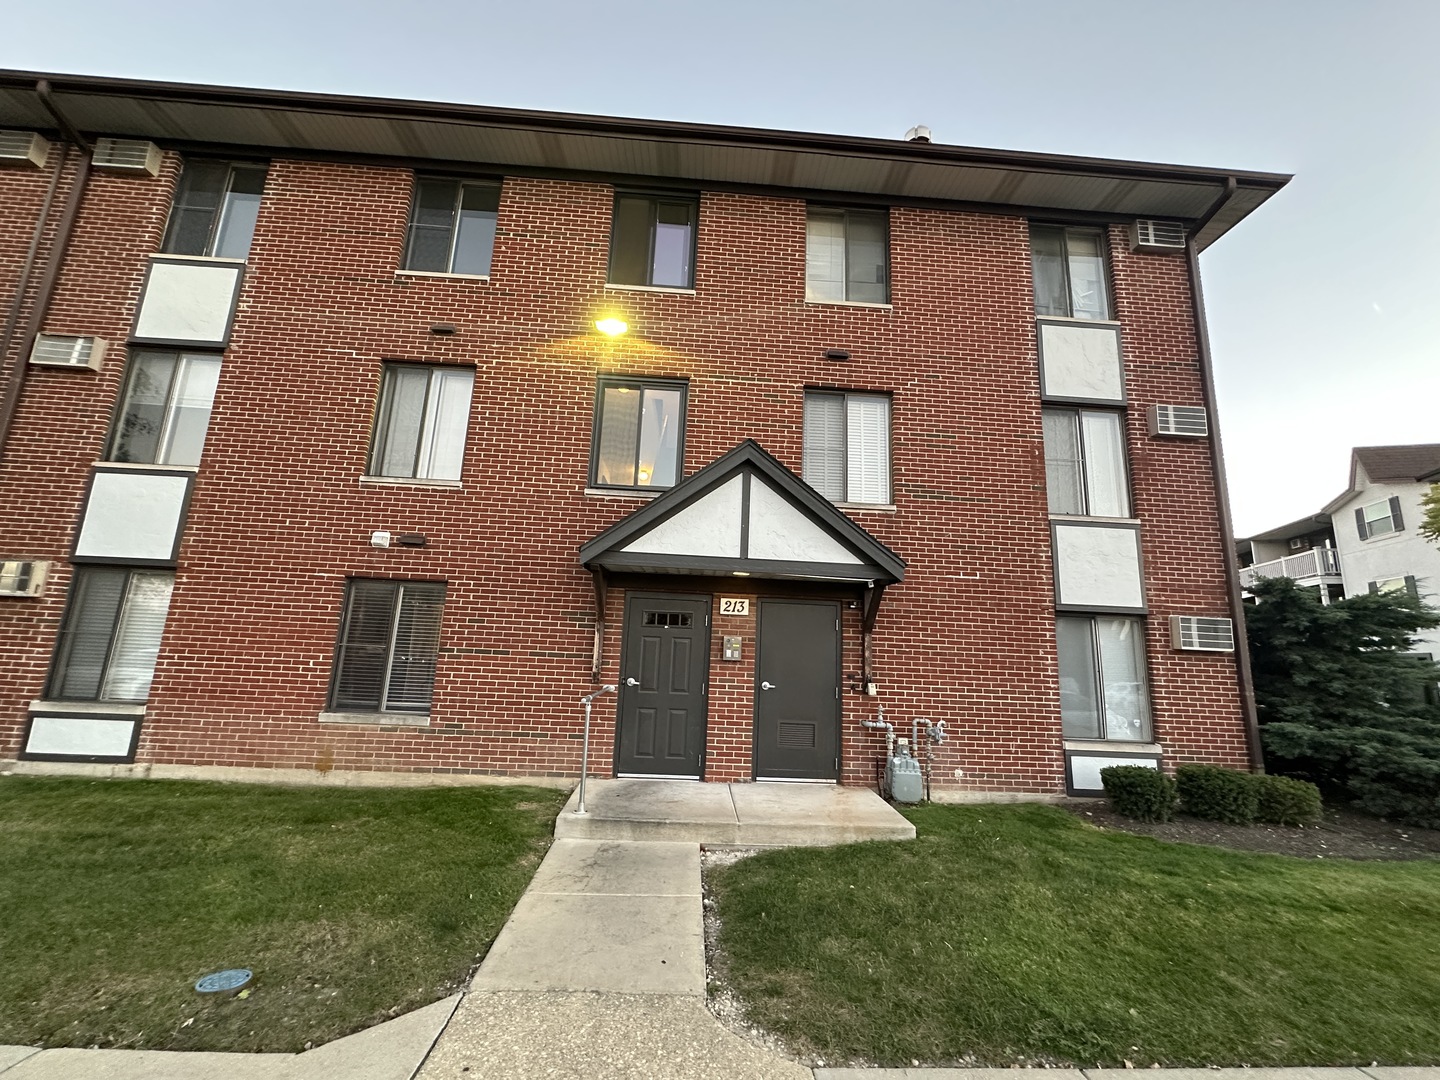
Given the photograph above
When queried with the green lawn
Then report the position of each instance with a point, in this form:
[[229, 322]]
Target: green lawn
[[1009, 933], [349, 905]]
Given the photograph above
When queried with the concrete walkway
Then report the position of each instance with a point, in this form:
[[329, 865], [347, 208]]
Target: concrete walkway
[[600, 972], [731, 815]]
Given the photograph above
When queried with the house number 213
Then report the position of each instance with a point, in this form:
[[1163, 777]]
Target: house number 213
[[734, 605]]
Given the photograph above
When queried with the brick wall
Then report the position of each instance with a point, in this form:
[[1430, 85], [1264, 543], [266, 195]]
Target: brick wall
[[280, 518]]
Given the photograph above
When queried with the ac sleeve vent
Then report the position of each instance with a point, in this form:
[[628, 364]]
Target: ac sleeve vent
[[27, 148], [22, 577], [127, 156], [1157, 237], [1186, 421], [65, 351], [1199, 633]]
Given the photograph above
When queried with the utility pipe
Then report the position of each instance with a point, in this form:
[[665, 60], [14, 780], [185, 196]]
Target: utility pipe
[[580, 810], [1222, 490]]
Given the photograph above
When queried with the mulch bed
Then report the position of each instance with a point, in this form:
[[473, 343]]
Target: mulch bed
[[1343, 834]]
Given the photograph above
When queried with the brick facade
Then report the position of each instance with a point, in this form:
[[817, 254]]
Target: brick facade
[[280, 517]]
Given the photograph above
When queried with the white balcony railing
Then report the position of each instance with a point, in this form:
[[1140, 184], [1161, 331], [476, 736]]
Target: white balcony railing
[[1307, 565]]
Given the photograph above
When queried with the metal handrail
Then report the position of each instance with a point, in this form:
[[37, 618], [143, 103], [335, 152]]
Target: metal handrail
[[580, 810]]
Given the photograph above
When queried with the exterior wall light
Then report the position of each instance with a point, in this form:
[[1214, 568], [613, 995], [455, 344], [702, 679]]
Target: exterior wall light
[[611, 326]]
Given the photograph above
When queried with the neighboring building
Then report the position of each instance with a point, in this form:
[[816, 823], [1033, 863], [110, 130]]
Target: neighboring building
[[1380, 548], [316, 457]]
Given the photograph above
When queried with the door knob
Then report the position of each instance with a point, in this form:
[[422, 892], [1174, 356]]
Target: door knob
[[632, 681], [768, 686]]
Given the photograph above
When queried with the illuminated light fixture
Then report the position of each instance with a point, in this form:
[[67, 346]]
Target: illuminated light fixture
[[739, 573], [644, 476], [611, 326]]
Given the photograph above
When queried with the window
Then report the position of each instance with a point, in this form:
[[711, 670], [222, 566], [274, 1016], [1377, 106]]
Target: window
[[452, 226], [215, 209], [847, 256], [652, 241], [1085, 463], [1102, 678], [1406, 584], [165, 411], [847, 446], [420, 425], [389, 641], [1069, 267], [639, 433], [1379, 518], [111, 634]]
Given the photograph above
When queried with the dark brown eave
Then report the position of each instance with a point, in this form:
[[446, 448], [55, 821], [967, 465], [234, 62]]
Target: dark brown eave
[[699, 154]]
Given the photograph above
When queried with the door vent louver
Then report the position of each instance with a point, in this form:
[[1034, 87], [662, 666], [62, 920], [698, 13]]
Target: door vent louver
[[65, 351], [127, 156], [23, 148], [1189, 421], [1198, 633], [22, 577], [1157, 237]]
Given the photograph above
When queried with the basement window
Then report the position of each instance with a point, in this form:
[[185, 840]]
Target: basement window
[[389, 644]]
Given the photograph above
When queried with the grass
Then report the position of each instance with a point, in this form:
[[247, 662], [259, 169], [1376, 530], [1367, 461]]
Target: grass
[[1020, 934], [349, 905]]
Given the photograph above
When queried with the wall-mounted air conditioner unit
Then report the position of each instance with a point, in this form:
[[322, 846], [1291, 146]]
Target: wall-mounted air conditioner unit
[[65, 351], [23, 148], [22, 577], [1157, 237], [1189, 421], [127, 156], [1297, 543], [1199, 633]]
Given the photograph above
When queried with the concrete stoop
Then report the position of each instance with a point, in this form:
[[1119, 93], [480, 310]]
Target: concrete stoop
[[730, 815]]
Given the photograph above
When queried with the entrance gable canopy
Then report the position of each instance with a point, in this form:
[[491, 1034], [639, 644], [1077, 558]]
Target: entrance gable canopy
[[745, 515]]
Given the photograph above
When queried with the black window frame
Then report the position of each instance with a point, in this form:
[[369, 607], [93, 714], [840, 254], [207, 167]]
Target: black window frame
[[64, 643], [819, 391], [656, 198], [1107, 275], [168, 245], [461, 183], [1079, 411], [641, 383], [883, 213], [333, 698], [1097, 673], [380, 436], [132, 367]]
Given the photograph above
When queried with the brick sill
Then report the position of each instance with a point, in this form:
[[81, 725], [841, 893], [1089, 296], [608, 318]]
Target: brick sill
[[80, 708], [626, 493], [849, 303], [442, 274], [1106, 746], [375, 719], [673, 289], [411, 481]]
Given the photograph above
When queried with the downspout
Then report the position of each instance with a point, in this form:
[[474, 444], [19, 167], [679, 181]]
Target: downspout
[[22, 283], [597, 656], [46, 289], [869, 612], [1217, 463]]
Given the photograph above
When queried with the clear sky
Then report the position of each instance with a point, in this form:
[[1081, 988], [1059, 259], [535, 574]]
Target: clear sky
[[1323, 305]]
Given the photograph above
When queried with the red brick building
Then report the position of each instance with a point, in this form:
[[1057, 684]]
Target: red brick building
[[353, 435]]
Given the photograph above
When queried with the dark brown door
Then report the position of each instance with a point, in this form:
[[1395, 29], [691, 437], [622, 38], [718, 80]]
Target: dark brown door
[[797, 691], [663, 667]]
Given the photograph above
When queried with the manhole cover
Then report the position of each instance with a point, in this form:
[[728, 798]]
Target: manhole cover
[[233, 979]]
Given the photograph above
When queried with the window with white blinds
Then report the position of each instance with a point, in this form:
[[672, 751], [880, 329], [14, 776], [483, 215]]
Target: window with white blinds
[[111, 636], [847, 446], [847, 256], [421, 423], [389, 642]]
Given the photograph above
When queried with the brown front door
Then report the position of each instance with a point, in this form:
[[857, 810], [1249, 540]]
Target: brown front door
[[797, 691], [664, 664]]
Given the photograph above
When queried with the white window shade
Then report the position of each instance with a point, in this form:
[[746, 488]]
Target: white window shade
[[867, 464], [825, 256], [137, 638], [824, 464]]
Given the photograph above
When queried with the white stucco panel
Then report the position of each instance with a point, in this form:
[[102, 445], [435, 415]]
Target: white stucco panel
[[133, 516], [708, 526], [1082, 362], [1098, 566], [80, 736], [188, 302], [779, 531]]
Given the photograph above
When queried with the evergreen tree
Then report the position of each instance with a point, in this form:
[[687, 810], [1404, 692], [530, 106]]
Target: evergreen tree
[[1430, 523], [1341, 699]]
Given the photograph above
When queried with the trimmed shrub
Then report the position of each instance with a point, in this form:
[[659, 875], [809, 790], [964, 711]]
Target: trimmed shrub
[[1286, 801], [1217, 794], [1138, 792]]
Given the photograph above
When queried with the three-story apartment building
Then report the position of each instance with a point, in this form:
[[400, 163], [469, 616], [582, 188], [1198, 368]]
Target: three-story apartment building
[[345, 436]]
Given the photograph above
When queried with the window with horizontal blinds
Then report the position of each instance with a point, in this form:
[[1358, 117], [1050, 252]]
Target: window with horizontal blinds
[[112, 634], [847, 446], [847, 255], [389, 642]]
